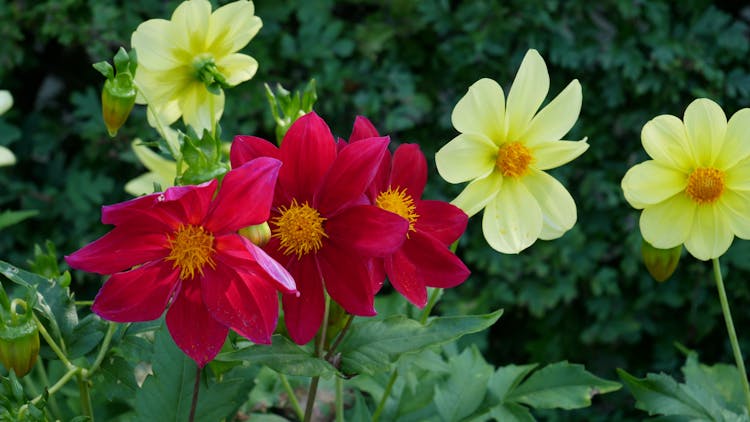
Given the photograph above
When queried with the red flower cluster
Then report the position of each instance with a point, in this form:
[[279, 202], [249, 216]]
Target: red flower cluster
[[180, 249]]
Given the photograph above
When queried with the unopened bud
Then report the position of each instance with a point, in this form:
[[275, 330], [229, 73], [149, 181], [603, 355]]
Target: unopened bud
[[259, 234], [118, 94], [19, 339], [660, 263]]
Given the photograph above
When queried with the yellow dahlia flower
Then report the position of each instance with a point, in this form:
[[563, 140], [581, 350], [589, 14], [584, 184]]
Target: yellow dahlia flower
[[184, 63], [6, 102], [696, 188], [504, 147]]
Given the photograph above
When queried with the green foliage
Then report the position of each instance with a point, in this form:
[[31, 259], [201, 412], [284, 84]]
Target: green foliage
[[282, 356]]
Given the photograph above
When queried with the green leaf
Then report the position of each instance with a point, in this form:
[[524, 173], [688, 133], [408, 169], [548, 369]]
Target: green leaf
[[86, 335], [9, 218], [464, 390], [282, 356], [511, 412], [561, 385], [167, 394], [722, 381], [660, 394], [507, 378], [372, 345]]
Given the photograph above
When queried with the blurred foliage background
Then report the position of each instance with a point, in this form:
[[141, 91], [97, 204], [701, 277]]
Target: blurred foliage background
[[404, 64]]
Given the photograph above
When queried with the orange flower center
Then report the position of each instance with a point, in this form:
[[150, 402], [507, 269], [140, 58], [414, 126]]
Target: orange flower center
[[705, 185], [513, 159], [192, 247], [299, 228], [399, 202]]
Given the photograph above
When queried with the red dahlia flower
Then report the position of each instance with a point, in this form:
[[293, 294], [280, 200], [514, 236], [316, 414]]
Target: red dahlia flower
[[180, 249], [322, 229], [424, 259]]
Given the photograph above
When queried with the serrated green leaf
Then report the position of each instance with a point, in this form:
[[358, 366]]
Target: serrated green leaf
[[167, 394], [511, 412], [721, 381], [86, 335], [282, 356], [360, 412], [561, 385], [660, 394], [507, 378], [462, 393], [372, 345]]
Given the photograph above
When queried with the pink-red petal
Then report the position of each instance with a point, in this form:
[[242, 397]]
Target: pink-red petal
[[405, 278], [303, 314], [436, 264], [363, 129], [246, 148], [347, 279], [441, 220], [240, 254], [243, 301], [141, 294], [190, 204], [307, 151], [409, 170], [245, 196], [193, 328], [119, 250], [368, 230], [351, 173]]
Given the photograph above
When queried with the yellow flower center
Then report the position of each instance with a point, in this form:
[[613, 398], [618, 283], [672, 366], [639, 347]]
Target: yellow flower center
[[192, 247], [705, 185], [399, 202], [299, 228], [513, 159]]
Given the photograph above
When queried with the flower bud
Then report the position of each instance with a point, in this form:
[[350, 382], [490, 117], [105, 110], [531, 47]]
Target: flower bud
[[660, 263], [259, 234], [19, 340], [118, 98]]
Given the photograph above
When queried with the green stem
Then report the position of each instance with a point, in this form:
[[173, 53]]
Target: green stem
[[83, 388], [84, 302], [196, 387], [730, 329], [339, 399], [335, 345], [59, 384], [292, 397], [174, 149], [320, 347], [103, 351], [55, 348], [431, 302], [384, 398], [52, 401]]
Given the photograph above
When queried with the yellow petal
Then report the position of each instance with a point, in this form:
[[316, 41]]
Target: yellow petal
[[556, 118], [711, 234], [153, 44], [549, 155], [190, 22], [196, 104], [6, 101], [526, 94], [665, 140], [167, 113], [237, 68], [6, 157], [668, 224], [478, 193], [513, 219], [558, 207], [166, 169], [650, 183], [232, 27], [466, 157], [738, 177], [482, 110], [736, 140], [705, 124], [736, 207]]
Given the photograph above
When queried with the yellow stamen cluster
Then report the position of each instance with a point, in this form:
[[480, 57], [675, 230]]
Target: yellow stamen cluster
[[513, 159], [299, 228], [399, 202], [192, 248], [705, 185]]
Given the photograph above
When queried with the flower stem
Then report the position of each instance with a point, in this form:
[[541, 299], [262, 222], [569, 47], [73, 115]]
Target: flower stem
[[59, 384], [434, 296], [332, 349], [174, 149], [384, 398], [103, 351], [84, 302], [55, 348], [292, 397], [83, 389], [339, 399], [313, 391], [730, 329], [196, 387]]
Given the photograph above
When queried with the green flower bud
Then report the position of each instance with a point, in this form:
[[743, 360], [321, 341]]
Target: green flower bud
[[19, 339], [660, 263], [118, 94], [259, 234]]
